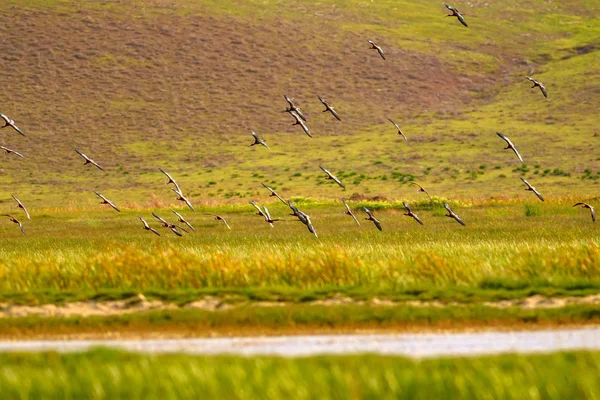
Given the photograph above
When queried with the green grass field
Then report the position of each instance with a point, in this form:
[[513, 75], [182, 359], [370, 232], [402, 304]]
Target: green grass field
[[103, 374]]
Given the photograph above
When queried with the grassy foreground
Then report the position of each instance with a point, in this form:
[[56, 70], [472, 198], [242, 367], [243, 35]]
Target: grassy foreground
[[100, 374]]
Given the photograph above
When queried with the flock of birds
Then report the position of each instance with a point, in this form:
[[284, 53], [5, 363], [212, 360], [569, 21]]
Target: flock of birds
[[300, 119]]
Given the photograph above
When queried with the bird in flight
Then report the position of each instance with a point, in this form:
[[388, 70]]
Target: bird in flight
[[147, 227], [586, 205], [293, 108], [532, 189], [169, 225], [11, 123], [274, 194], [331, 176], [410, 213], [183, 198], [300, 121], [304, 218], [538, 84], [21, 206], [372, 218], [219, 218], [329, 107], [11, 151], [349, 211], [374, 46], [182, 220], [399, 130], [89, 160], [268, 218], [510, 145], [457, 14], [171, 180], [16, 221], [451, 214], [421, 189], [260, 212], [106, 201], [258, 140]]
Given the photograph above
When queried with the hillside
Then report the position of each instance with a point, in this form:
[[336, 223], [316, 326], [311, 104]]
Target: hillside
[[178, 84]]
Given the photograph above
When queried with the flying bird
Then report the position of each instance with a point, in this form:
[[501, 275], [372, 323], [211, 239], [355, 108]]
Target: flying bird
[[89, 160], [219, 218], [538, 84], [399, 130], [274, 194], [457, 14], [300, 121], [16, 221], [510, 145], [451, 214], [21, 206], [532, 189], [329, 107], [106, 201], [372, 218], [421, 189], [410, 213], [169, 225], [293, 108], [268, 218], [183, 198], [171, 180], [258, 140], [8, 151], [349, 211], [11, 123], [182, 220], [147, 227], [586, 205], [303, 217], [374, 46], [331, 176], [260, 212]]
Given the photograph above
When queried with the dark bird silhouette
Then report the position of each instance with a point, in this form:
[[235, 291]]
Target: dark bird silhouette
[[293, 108], [457, 14], [586, 205], [219, 218], [268, 218], [258, 140], [510, 145], [11, 151], [9, 122], [183, 198], [106, 201], [349, 211], [374, 46], [89, 160], [399, 130], [21, 206], [532, 189], [182, 220], [538, 84], [372, 218], [451, 214], [274, 194], [300, 121], [329, 107], [147, 227], [171, 180], [410, 213], [16, 221], [169, 225], [421, 189], [260, 212], [303, 217], [332, 177]]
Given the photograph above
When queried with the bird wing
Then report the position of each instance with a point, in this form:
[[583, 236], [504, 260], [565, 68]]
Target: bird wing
[[264, 144], [395, 124], [258, 208], [16, 128], [449, 7], [325, 170], [266, 214], [336, 180], [355, 219], [457, 218], [96, 165], [507, 140], [417, 218], [403, 135], [26, 212], [525, 182], [346, 204], [110, 203], [517, 153], [530, 79], [188, 224], [305, 128], [447, 207], [462, 19], [144, 222], [334, 113], [255, 135], [99, 195], [171, 180], [175, 231], [81, 154], [5, 118], [369, 212], [377, 224], [380, 51], [154, 231], [160, 218], [538, 194], [189, 204], [323, 101], [405, 204], [21, 227], [290, 102], [16, 153], [593, 212], [580, 204], [225, 222], [543, 89]]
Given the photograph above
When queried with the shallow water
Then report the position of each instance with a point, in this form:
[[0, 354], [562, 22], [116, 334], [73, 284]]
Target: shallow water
[[410, 345]]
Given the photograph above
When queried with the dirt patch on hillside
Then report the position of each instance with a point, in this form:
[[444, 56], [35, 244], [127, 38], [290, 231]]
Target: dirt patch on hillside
[[139, 304]]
